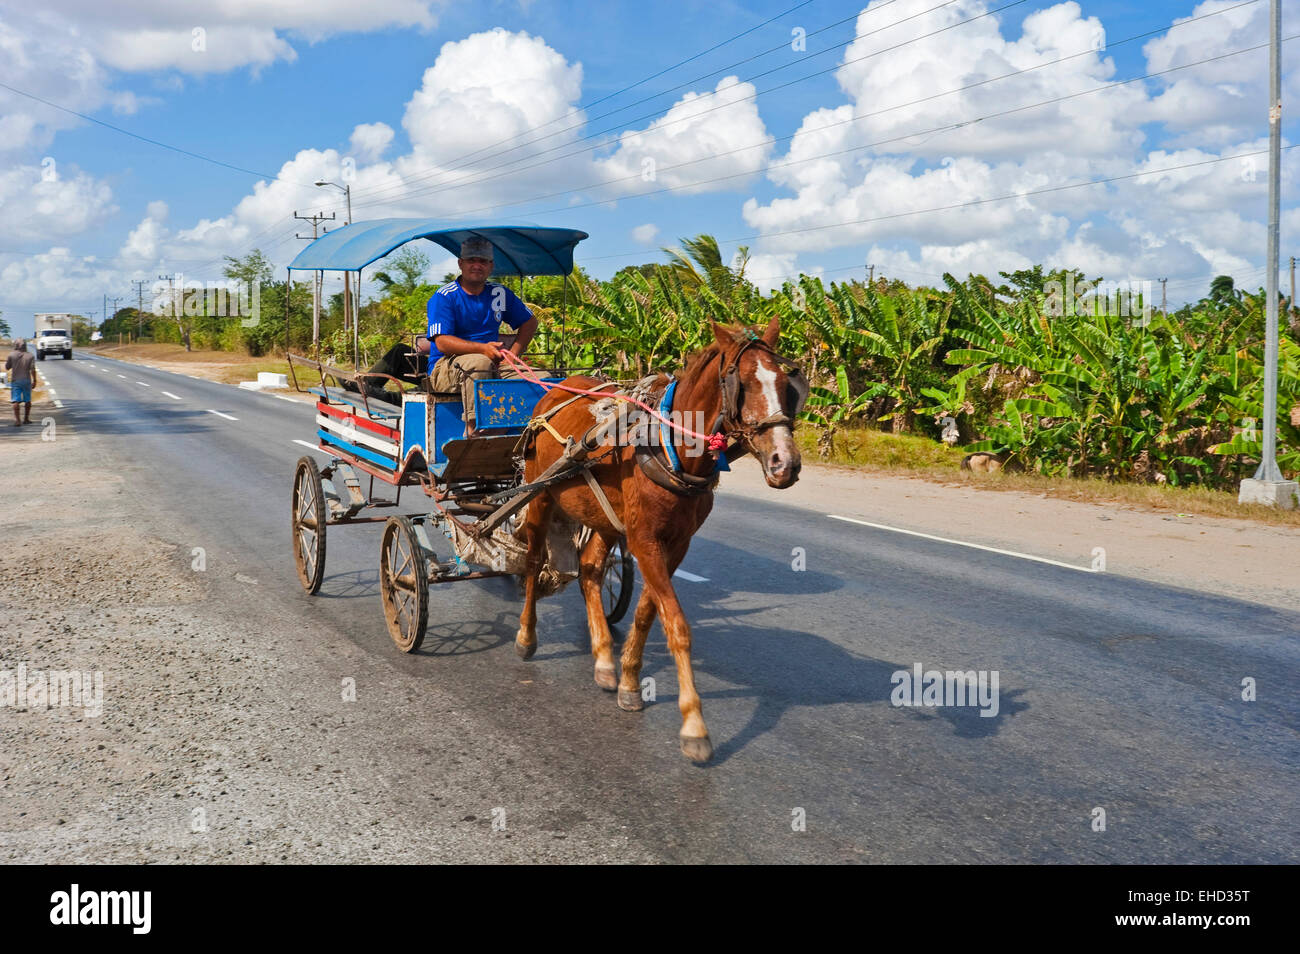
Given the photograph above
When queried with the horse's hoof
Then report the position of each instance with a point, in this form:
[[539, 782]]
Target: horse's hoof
[[525, 652], [630, 701], [605, 678], [698, 751]]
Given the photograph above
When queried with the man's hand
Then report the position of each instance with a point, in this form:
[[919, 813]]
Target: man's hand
[[491, 349]]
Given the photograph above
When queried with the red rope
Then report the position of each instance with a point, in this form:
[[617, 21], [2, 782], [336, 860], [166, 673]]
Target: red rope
[[717, 442]]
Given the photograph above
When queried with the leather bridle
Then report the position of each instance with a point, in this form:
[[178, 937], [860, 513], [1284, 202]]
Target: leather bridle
[[730, 420]]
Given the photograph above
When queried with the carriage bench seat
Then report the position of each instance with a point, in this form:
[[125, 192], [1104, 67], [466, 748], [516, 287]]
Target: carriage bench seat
[[377, 409]]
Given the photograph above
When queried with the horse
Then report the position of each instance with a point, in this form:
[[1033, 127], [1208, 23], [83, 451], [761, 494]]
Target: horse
[[753, 395]]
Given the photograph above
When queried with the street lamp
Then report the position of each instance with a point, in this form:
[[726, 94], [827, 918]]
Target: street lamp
[[347, 192], [347, 282]]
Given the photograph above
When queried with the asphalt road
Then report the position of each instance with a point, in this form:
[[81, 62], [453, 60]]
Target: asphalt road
[[1114, 693]]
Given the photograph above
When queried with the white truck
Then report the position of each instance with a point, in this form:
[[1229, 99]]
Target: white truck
[[53, 335]]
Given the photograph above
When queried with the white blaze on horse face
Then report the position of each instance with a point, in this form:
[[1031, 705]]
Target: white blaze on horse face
[[767, 378]]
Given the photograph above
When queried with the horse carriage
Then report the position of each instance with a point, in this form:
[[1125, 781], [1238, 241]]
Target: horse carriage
[[415, 438], [560, 480]]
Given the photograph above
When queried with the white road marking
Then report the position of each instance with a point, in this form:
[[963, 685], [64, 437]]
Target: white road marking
[[121, 375], [174, 397], [58, 403], [228, 417], [690, 577], [142, 384], [963, 543], [308, 446]]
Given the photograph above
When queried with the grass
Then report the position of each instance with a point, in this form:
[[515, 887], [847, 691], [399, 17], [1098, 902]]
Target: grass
[[876, 451]]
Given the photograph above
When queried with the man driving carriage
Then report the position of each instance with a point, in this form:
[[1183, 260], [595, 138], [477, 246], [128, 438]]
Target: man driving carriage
[[464, 341]]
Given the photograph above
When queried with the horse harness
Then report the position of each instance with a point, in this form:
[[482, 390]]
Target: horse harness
[[729, 422]]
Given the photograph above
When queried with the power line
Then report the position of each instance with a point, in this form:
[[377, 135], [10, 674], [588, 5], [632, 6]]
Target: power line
[[152, 142], [663, 71], [949, 127], [971, 203], [468, 181]]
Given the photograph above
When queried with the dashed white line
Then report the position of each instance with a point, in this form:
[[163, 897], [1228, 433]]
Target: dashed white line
[[690, 577], [308, 446], [174, 397], [228, 417], [963, 543], [122, 376], [143, 385]]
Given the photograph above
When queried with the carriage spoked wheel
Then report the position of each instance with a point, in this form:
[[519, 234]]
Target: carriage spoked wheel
[[616, 583], [403, 584], [309, 519]]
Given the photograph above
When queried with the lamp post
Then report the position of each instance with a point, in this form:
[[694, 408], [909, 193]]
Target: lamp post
[[1268, 486], [347, 281]]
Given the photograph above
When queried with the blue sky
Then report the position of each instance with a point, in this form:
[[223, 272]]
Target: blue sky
[[291, 85]]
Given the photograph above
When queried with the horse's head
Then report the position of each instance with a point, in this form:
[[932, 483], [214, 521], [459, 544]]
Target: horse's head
[[762, 393]]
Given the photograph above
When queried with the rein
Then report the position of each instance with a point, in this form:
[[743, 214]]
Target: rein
[[729, 423]]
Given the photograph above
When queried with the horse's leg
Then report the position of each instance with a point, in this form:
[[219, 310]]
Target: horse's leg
[[535, 527], [591, 576], [629, 684], [654, 563]]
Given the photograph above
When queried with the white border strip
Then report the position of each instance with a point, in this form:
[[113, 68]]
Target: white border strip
[[228, 417], [963, 543]]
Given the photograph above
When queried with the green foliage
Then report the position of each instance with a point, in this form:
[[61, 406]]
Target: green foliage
[[1106, 390]]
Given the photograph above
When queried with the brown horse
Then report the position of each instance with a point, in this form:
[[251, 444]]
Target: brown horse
[[739, 381]]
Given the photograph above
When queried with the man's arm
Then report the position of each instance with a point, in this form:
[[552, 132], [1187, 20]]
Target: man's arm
[[523, 335], [450, 344]]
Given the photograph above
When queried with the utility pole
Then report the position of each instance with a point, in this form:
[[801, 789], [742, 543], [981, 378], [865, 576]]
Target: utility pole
[[316, 232], [176, 312], [1164, 298], [139, 307], [348, 309], [871, 274], [1267, 486]]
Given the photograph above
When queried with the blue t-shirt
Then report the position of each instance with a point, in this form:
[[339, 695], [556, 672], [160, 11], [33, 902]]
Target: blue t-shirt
[[453, 311]]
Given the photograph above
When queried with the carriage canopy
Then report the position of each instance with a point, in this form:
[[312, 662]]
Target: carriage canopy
[[519, 249]]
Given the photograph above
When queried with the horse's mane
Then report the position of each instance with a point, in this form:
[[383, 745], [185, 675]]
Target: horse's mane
[[699, 359]]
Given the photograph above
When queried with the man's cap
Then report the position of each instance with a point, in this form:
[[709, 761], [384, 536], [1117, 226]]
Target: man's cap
[[476, 247]]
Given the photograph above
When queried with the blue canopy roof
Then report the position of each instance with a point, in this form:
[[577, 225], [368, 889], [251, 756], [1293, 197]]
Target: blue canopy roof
[[520, 249]]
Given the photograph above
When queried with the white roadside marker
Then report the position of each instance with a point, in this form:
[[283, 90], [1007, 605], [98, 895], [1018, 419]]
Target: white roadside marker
[[228, 417], [174, 397], [963, 543], [690, 577]]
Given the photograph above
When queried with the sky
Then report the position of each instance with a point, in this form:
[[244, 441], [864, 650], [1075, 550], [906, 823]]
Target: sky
[[916, 136]]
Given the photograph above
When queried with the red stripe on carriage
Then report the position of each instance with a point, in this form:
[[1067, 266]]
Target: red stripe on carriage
[[380, 429]]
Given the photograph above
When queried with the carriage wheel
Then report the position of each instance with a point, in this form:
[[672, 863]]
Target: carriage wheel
[[616, 584], [403, 584], [309, 519]]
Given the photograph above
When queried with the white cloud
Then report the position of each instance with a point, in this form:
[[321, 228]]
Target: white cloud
[[696, 133], [1183, 223], [51, 201], [645, 234], [370, 141]]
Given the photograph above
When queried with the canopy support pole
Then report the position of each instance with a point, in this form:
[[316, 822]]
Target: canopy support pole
[[288, 284]]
